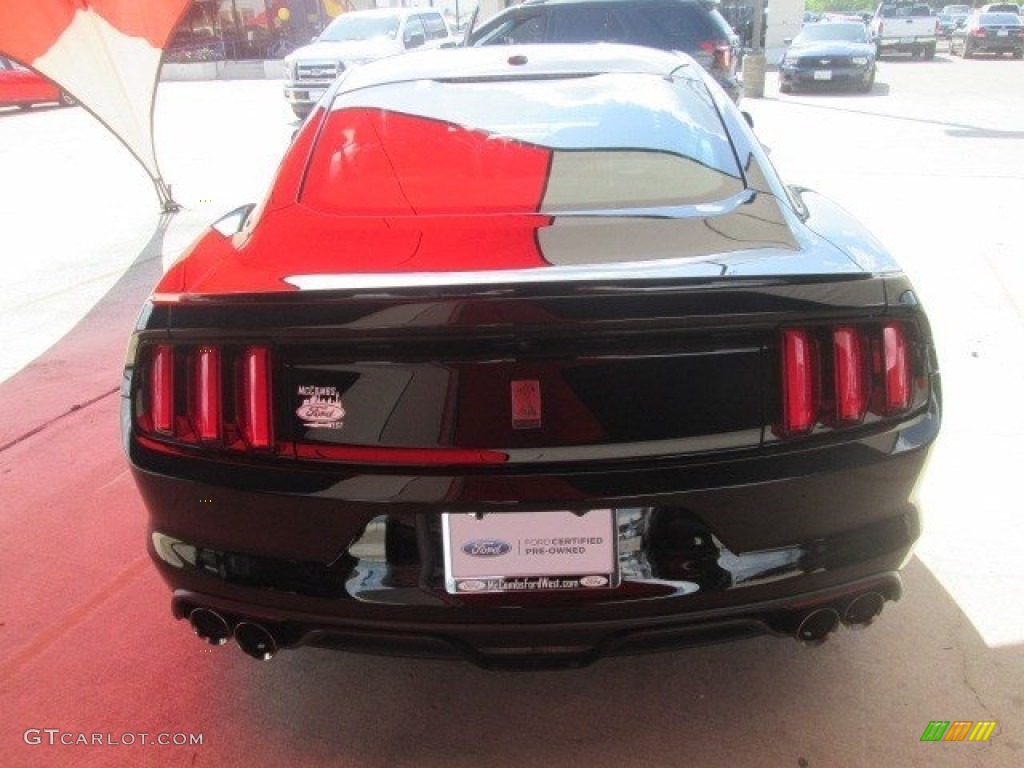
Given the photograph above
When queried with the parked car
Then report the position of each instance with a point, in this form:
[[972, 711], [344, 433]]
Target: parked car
[[829, 54], [1013, 8], [23, 87], [902, 27], [355, 38], [584, 378], [949, 22], [694, 27], [996, 33]]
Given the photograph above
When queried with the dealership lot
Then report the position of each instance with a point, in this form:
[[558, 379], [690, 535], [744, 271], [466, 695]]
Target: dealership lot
[[931, 161]]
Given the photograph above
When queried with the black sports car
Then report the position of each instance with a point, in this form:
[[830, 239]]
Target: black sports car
[[829, 55], [527, 357]]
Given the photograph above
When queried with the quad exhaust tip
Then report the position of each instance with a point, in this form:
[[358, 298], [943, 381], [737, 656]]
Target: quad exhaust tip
[[209, 626], [255, 640], [863, 610], [817, 626]]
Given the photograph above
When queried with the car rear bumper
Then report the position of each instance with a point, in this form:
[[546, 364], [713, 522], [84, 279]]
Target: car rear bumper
[[905, 45], [808, 617], [707, 550], [305, 94], [997, 46], [851, 77]]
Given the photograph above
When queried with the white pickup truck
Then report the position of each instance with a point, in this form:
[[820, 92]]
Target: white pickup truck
[[905, 28]]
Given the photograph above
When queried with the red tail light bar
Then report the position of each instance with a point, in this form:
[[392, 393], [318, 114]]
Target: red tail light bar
[[838, 376], [799, 382], [897, 369], [255, 405], [205, 393], [850, 384], [209, 378], [161, 389]]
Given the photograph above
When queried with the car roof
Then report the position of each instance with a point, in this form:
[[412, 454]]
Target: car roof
[[402, 12], [500, 61]]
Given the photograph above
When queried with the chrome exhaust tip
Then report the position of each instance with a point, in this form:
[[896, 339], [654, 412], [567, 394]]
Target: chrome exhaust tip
[[209, 626], [863, 610], [817, 626], [255, 640]]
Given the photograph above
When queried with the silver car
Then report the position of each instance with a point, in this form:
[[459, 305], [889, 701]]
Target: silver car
[[355, 38]]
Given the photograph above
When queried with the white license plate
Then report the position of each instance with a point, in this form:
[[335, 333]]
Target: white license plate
[[822, 74], [529, 551], [906, 39], [1002, 33]]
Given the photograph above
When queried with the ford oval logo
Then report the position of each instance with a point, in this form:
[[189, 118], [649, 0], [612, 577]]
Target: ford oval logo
[[486, 548], [320, 412]]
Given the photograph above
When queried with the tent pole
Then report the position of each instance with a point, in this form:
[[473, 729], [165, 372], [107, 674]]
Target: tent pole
[[163, 191]]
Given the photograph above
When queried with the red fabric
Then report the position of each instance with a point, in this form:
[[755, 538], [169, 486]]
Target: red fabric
[[29, 28]]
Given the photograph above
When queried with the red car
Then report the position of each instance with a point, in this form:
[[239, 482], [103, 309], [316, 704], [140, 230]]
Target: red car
[[23, 87]]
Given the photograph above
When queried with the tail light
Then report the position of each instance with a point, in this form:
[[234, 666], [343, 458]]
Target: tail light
[[194, 406], [205, 388], [897, 369], [161, 388], [799, 366], [979, 32], [850, 386], [721, 53], [255, 414], [842, 376]]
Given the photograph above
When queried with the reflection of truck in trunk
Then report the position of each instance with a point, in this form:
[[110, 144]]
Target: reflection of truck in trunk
[[905, 28]]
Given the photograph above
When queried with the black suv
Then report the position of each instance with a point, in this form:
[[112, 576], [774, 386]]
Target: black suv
[[694, 27]]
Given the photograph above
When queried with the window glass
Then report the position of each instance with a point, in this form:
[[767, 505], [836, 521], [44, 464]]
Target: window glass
[[605, 142], [586, 24], [521, 30], [998, 19], [679, 27], [434, 25], [349, 27]]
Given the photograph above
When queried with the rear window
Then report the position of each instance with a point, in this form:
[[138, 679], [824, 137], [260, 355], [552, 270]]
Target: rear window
[[587, 24], [679, 26], [904, 11], [434, 25], [998, 19], [516, 30], [614, 142]]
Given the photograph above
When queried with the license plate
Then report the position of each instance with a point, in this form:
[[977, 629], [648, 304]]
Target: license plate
[[315, 95], [1002, 33], [906, 39], [529, 551], [822, 74]]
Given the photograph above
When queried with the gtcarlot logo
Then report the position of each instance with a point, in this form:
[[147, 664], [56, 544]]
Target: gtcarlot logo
[[53, 737]]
